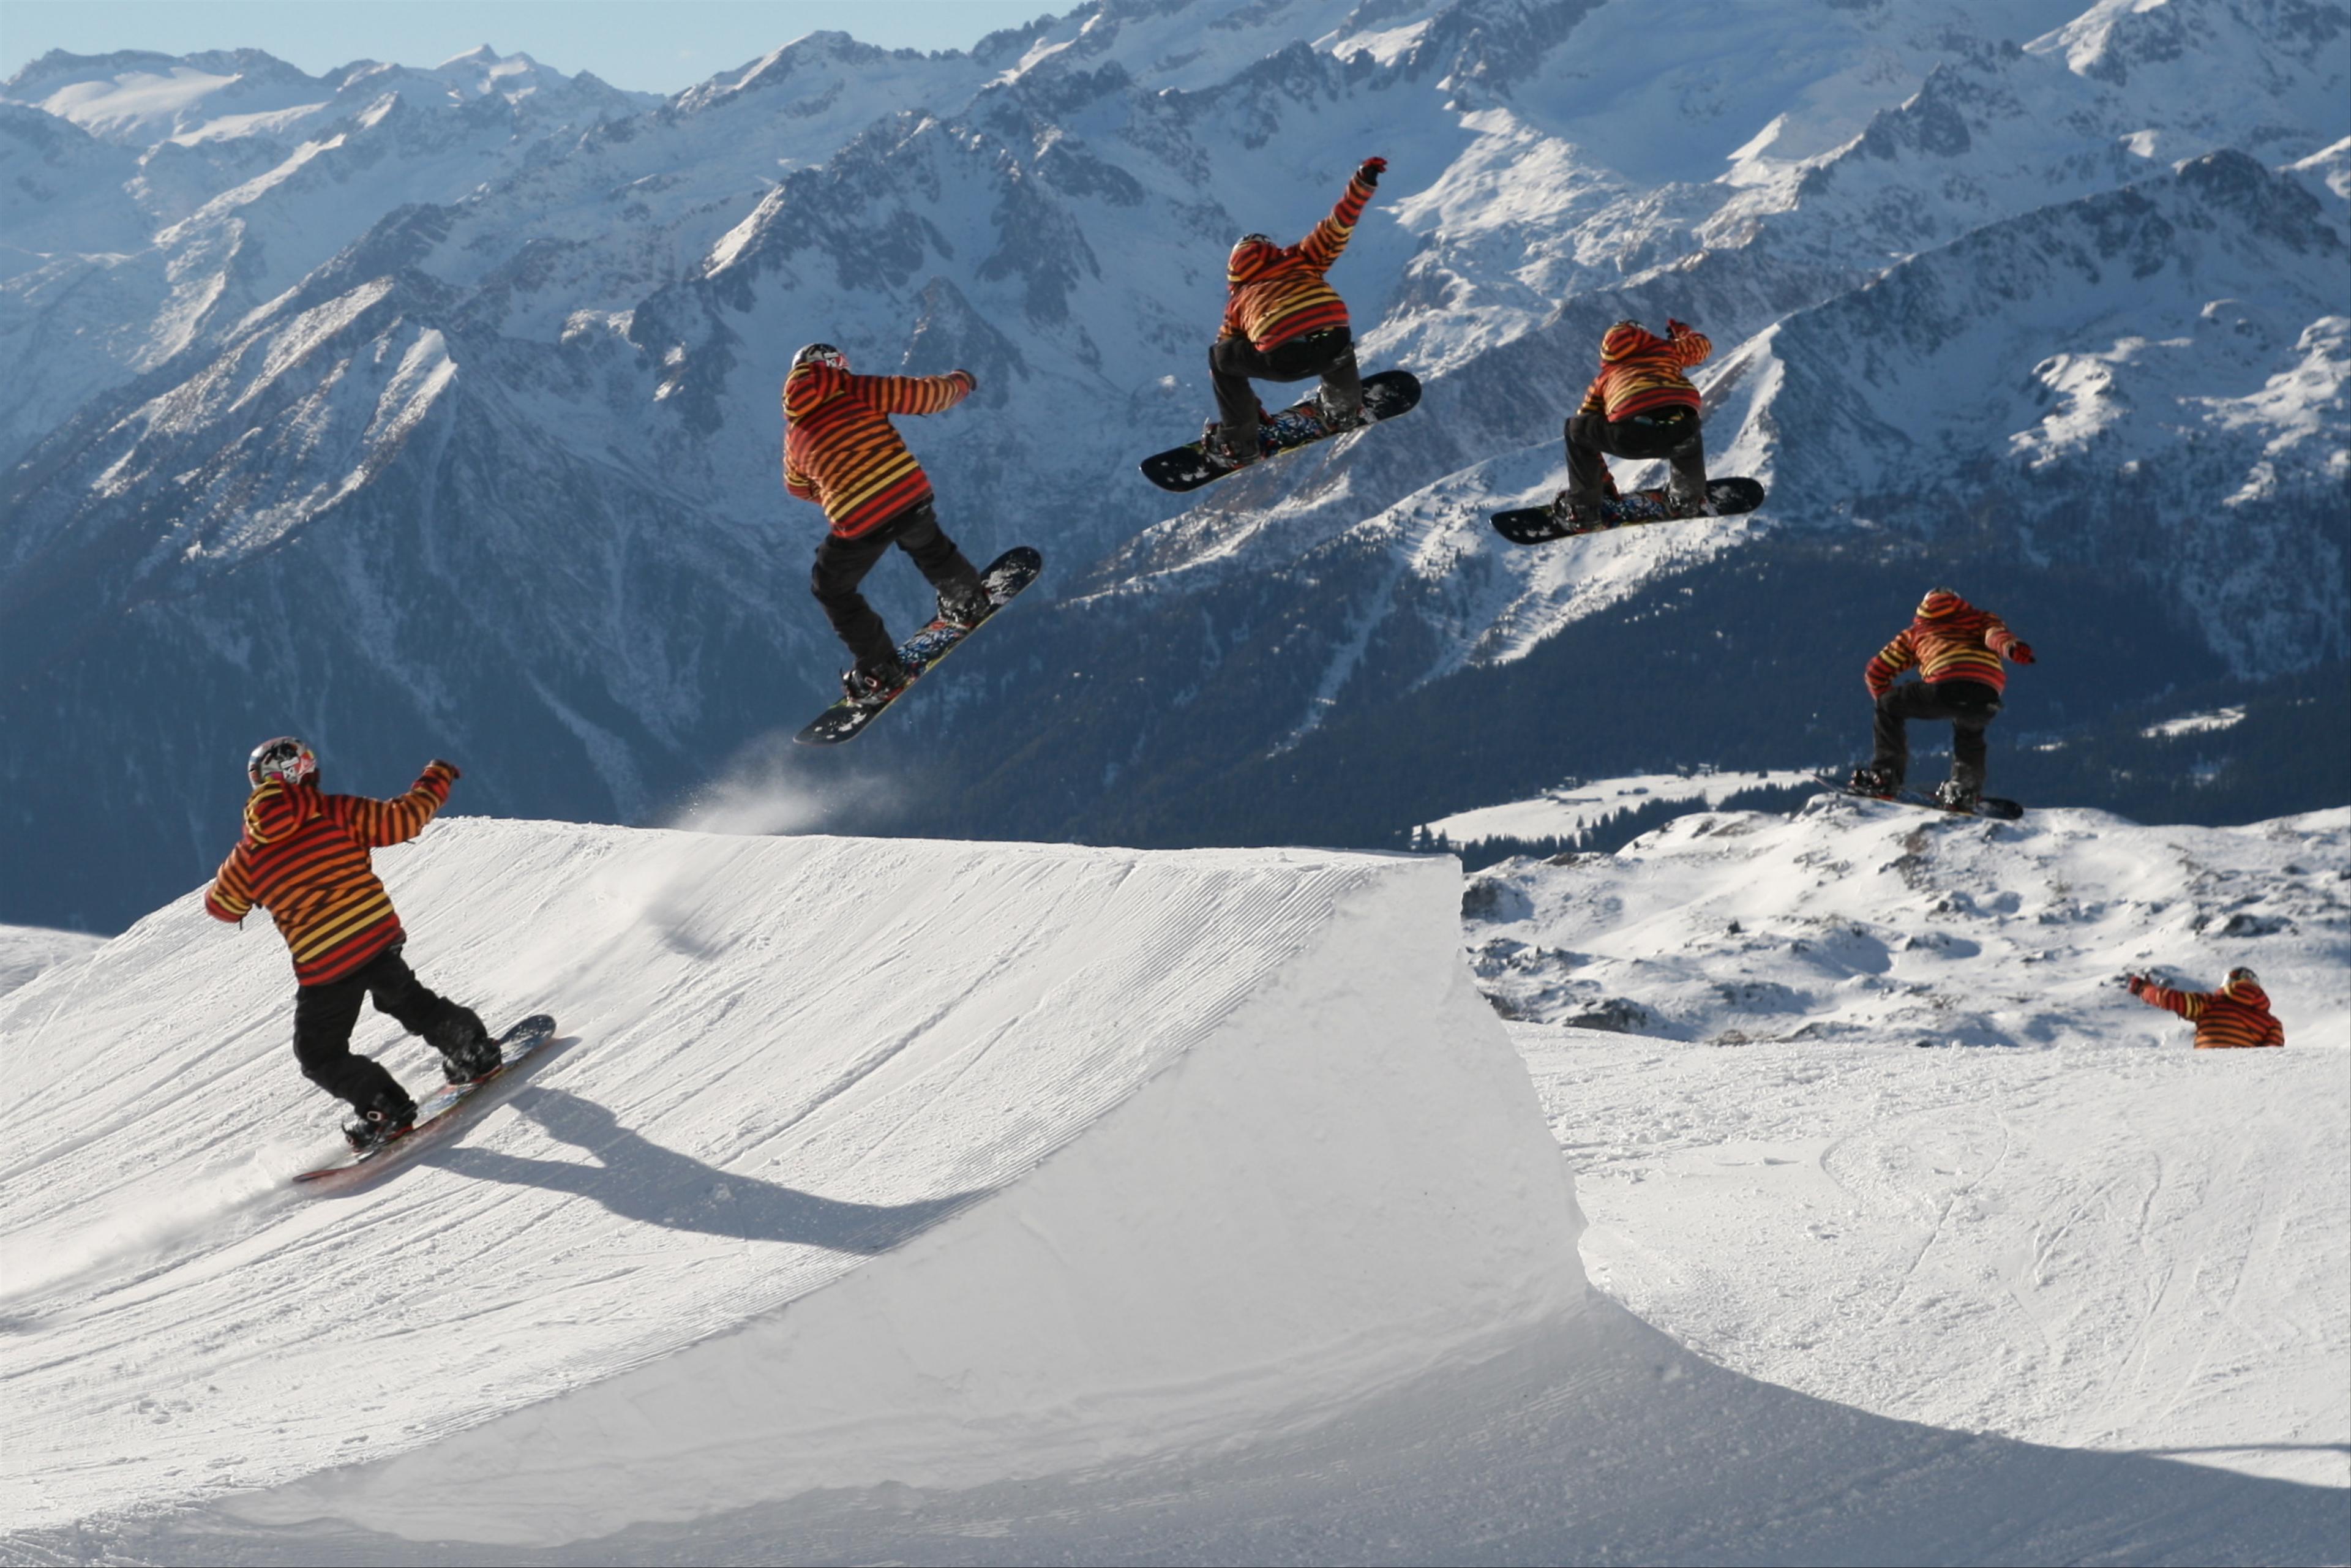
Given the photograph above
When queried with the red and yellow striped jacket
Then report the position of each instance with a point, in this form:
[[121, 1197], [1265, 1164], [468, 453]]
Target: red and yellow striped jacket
[[841, 450], [1277, 293], [1950, 640], [1640, 372], [2235, 1015], [304, 858]]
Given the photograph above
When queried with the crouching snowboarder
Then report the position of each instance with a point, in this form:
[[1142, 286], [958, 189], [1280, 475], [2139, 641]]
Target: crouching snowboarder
[[842, 452], [1641, 406], [1958, 649], [304, 858], [1284, 322], [2236, 1016]]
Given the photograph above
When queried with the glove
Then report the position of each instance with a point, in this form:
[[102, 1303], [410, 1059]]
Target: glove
[[446, 767], [1372, 170], [967, 375], [1676, 329], [2135, 984], [2019, 653]]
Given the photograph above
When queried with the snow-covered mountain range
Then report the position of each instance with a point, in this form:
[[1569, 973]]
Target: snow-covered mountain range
[[432, 410]]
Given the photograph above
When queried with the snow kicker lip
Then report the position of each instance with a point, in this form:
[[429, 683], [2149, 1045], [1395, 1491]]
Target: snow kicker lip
[[892, 1159]]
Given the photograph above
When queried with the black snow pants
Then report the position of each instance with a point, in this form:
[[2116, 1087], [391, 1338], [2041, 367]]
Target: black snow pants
[[1234, 362], [842, 564], [1672, 434], [326, 1013], [1967, 704]]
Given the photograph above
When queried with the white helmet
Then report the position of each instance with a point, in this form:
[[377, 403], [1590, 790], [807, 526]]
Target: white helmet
[[283, 757]]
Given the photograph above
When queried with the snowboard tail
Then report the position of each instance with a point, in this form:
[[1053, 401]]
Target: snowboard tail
[[1187, 467], [1540, 525], [438, 1115], [1006, 576]]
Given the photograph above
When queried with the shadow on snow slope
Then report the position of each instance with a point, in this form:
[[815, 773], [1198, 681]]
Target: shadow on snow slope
[[1599, 1441]]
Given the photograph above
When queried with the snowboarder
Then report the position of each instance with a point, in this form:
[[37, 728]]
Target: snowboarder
[[304, 858], [1283, 322], [2236, 1015], [842, 452], [1642, 406], [1958, 649]]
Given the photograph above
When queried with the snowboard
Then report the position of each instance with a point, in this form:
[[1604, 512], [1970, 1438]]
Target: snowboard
[[1010, 572], [1189, 466], [1540, 525], [437, 1114], [1991, 806]]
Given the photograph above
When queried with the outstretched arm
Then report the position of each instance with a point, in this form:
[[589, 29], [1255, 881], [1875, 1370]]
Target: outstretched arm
[[395, 821], [915, 394], [1322, 245], [2188, 1005], [1890, 662]]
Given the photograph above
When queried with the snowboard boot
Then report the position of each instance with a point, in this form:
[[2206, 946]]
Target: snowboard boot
[[1957, 795], [1871, 780], [1336, 416], [468, 1054], [1693, 502], [869, 685], [377, 1124], [1225, 452], [965, 604], [1576, 513]]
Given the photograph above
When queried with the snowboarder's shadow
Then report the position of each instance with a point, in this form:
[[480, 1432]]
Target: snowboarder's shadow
[[636, 1178]]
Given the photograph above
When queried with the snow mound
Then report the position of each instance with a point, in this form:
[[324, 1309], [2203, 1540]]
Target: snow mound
[[1867, 922], [941, 1164]]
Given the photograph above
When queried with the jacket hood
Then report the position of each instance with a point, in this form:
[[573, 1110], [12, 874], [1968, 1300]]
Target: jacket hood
[[1251, 259], [2249, 992], [1941, 603], [810, 387], [277, 809], [1625, 339]]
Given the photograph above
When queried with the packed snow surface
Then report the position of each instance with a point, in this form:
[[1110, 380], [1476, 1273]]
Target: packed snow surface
[[857, 1162], [2103, 1247], [27, 950]]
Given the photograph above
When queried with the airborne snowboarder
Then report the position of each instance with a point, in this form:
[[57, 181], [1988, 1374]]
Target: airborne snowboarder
[[304, 858], [842, 452], [1958, 649], [1284, 322], [2235, 1015], [1640, 405]]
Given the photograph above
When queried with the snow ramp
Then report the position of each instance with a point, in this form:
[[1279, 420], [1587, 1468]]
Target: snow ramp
[[858, 1162]]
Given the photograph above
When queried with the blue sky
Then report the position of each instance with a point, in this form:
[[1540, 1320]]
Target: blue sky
[[653, 46]]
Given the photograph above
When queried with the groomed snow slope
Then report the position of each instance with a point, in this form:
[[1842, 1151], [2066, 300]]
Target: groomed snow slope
[[862, 1162]]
